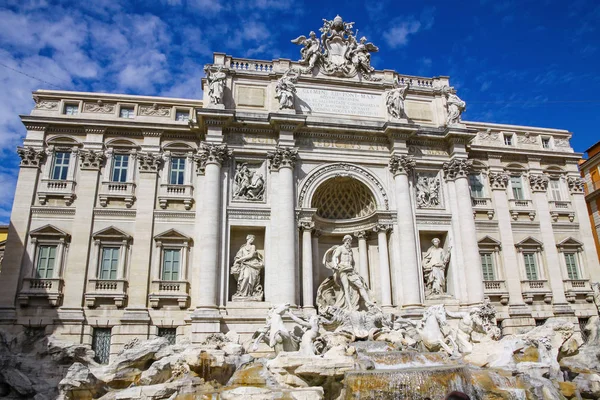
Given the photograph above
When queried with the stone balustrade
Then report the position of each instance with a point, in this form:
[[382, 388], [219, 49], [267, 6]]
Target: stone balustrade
[[53, 188], [181, 193], [122, 191], [520, 207], [575, 288], [167, 292], [49, 289], [534, 289], [496, 290], [112, 291]]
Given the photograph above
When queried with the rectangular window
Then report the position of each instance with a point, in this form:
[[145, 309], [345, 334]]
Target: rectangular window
[[177, 170], [171, 261], [571, 262], [487, 266], [555, 189], [476, 183], [61, 165], [101, 344], [126, 112], [508, 139], [119, 167], [45, 262], [181, 115], [530, 266], [71, 109], [109, 263], [169, 333], [545, 142], [517, 187]]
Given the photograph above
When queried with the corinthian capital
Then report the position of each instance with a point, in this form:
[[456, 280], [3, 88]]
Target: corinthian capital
[[401, 164], [575, 184], [498, 180], [90, 159], [282, 157], [149, 162], [457, 168], [211, 154], [538, 182], [31, 157]]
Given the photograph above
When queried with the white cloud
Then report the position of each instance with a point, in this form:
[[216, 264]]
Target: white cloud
[[397, 35]]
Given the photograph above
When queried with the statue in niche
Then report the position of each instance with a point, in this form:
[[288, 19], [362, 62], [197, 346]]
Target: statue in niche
[[435, 262], [246, 268], [455, 106], [216, 84], [311, 52], [394, 101], [428, 191], [249, 185], [346, 289], [286, 89]]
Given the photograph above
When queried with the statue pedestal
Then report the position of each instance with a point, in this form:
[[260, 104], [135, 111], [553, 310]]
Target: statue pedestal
[[215, 106]]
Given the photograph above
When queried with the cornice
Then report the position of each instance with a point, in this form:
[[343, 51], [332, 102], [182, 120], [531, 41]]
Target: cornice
[[164, 214], [114, 212], [248, 213], [38, 211]]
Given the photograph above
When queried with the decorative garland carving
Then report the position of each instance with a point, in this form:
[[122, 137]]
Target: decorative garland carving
[[149, 162], [31, 157], [538, 182], [401, 164], [457, 168], [576, 184], [282, 157], [99, 107], [498, 180], [343, 170], [90, 159]]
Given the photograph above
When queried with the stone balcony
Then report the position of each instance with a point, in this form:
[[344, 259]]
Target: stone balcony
[[482, 205], [521, 208], [111, 291], [578, 288], [178, 193], [561, 208], [49, 289], [536, 290], [56, 188], [165, 292], [496, 291], [121, 191]]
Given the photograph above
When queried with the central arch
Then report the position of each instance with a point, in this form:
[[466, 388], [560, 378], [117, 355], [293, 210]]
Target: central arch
[[343, 197]]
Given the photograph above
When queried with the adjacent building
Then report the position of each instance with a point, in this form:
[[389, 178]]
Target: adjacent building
[[590, 171], [133, 214]]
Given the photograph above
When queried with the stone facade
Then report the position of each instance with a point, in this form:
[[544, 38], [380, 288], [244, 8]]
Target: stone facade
[[131, 212]]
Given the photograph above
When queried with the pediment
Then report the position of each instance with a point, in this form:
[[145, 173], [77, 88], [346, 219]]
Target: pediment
[[172, 235], [111, 233], [488, 242], [570, 243], [49, 231], [530, 242]]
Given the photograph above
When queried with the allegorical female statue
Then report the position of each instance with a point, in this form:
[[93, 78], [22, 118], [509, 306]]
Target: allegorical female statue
[[246, 268], [435, 262], [216, 84]]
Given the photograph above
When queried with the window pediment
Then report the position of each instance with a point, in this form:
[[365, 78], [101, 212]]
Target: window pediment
[[49, 232], [571, 244], [489, 243], [111, 234], [529, 243], [172, 236]]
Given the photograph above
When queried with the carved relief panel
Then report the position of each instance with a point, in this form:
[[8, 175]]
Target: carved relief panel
[[249, 181], [428, 190]]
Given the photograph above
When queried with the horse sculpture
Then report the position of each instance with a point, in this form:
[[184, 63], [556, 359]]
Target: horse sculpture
[[435, 332]]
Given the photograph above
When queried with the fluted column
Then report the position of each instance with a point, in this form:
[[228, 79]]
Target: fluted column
[[539, 186], [384, 264], [307, 264], [408, 276], [457, 170], [363, 255], [282, 161], [210, 158], [512, 275]]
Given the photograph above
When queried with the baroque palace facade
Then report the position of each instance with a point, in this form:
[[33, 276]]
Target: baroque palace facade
[[139, 216]]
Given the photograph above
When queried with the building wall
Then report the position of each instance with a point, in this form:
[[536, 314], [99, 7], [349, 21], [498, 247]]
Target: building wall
[[140, 217]]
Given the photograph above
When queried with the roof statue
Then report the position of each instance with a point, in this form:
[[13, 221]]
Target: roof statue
[[337, 52]]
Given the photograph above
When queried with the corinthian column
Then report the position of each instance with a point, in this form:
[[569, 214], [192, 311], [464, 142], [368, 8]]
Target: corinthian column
[[457, 170], [210, 158], [384, 265], [363, 255], [408, 274], [282, 161]]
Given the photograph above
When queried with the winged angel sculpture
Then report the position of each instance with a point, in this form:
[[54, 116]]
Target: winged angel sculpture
[[337, 52]]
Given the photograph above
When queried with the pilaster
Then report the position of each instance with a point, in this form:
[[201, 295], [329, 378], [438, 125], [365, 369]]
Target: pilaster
[[384, 264], [307, 264]]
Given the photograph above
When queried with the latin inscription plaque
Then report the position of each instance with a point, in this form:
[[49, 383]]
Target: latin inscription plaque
[[325, 101]]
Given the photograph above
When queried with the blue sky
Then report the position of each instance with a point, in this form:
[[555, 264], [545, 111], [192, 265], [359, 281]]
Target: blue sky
[[526, 62]]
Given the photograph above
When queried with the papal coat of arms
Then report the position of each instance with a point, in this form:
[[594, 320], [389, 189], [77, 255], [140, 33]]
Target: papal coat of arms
[[337, 52]]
